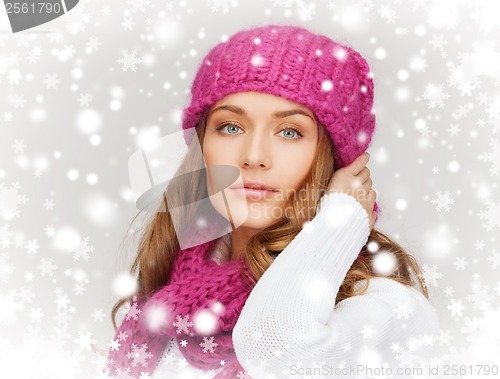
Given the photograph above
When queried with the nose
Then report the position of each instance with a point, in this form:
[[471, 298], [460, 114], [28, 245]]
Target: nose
[[255, 151]]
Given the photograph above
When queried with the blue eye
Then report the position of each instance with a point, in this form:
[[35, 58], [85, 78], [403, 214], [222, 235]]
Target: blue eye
[[235, 127], [228, 124], [294, 130]]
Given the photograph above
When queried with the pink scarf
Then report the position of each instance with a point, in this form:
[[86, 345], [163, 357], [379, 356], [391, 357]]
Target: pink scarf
[[197, 283]]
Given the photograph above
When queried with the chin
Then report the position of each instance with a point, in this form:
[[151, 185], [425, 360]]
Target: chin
[[248, 214]]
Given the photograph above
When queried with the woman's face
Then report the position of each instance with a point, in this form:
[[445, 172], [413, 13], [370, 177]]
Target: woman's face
[[270, 140]]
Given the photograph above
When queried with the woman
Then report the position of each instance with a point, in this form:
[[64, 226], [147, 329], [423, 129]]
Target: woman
[[296, 286]]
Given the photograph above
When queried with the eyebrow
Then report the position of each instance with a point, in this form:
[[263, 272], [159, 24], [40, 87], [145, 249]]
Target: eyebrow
[[277, 114]]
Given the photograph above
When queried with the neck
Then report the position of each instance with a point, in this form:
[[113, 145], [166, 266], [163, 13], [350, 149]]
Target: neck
[[239, 238]]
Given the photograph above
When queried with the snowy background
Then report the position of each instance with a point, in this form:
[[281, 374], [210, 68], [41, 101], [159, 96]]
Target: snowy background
[[81, 93]]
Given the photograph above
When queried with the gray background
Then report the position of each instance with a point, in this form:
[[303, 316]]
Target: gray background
[[81, 93]]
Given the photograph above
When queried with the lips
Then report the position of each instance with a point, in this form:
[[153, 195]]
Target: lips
[[254, 190], [255, 185]]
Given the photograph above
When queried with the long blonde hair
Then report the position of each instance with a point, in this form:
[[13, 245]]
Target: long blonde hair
[[158, 244]]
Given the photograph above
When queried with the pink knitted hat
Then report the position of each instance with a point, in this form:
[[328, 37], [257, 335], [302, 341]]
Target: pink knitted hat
[[331, 79]]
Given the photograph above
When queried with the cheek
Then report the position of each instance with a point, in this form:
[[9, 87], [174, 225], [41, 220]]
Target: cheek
[[292, 168]]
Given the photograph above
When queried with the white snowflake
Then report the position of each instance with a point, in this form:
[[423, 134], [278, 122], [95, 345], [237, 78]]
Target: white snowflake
[[19, 146], [403, 310], [182, 324], [6, 268], [93, 44], [133, 312], [47, 267], [18, 101], [139, 355], [491, 215], [208, 344], [431, 275], [82, 250], [493, 157], [51, 81], [215, 5], [443, 201], [138, 5], [10, 199], [435, 95], [460, 263], [85, 341], [84, 99], [437, 42], [367, 331], [129, 61], [456, 308], [494, 258], [388, 14], [32, 246]]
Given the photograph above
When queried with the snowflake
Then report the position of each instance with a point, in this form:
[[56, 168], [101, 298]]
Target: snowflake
[[18, 101], [460, 263], [10, 306], [84, 99], [6, 269], [49, 204], [216, 4], [462, 111], [19, 146], [122, 336], [133, 312], [462, 78], [129, 61], [445, 337], [92, 45], [437, 42], [138, 5], [32, 246], [139, 355], [82, 250], [182, 324], [115, 345], [491, 215], [128, 24], [368, 331], [79, 289], [435, 95], [387, 14], [492, 157], [430, 275], [85, 341], [418, 63], [494, 258], [10, 199], [403, 310], [51, 81], [484, 15], [97, 315], [47, 267], [454, 130], [484, 58], [208, 344], [49, 231], [443, 201], [456, 308], [66, 53], [396, 347], [307, 13]]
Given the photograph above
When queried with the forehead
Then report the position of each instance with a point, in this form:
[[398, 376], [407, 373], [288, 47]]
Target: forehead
[[254, 101]]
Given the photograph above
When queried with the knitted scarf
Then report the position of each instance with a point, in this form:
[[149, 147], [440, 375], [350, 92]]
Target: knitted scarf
[[197, 284]]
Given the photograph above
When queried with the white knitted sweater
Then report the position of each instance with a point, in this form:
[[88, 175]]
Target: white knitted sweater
[[290, 328]]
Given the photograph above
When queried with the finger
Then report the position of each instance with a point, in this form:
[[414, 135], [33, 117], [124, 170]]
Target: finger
[[363, 175], [359, 163]]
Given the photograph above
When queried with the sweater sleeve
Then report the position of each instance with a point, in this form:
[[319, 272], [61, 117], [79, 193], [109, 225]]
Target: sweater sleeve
[[290, 319]]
